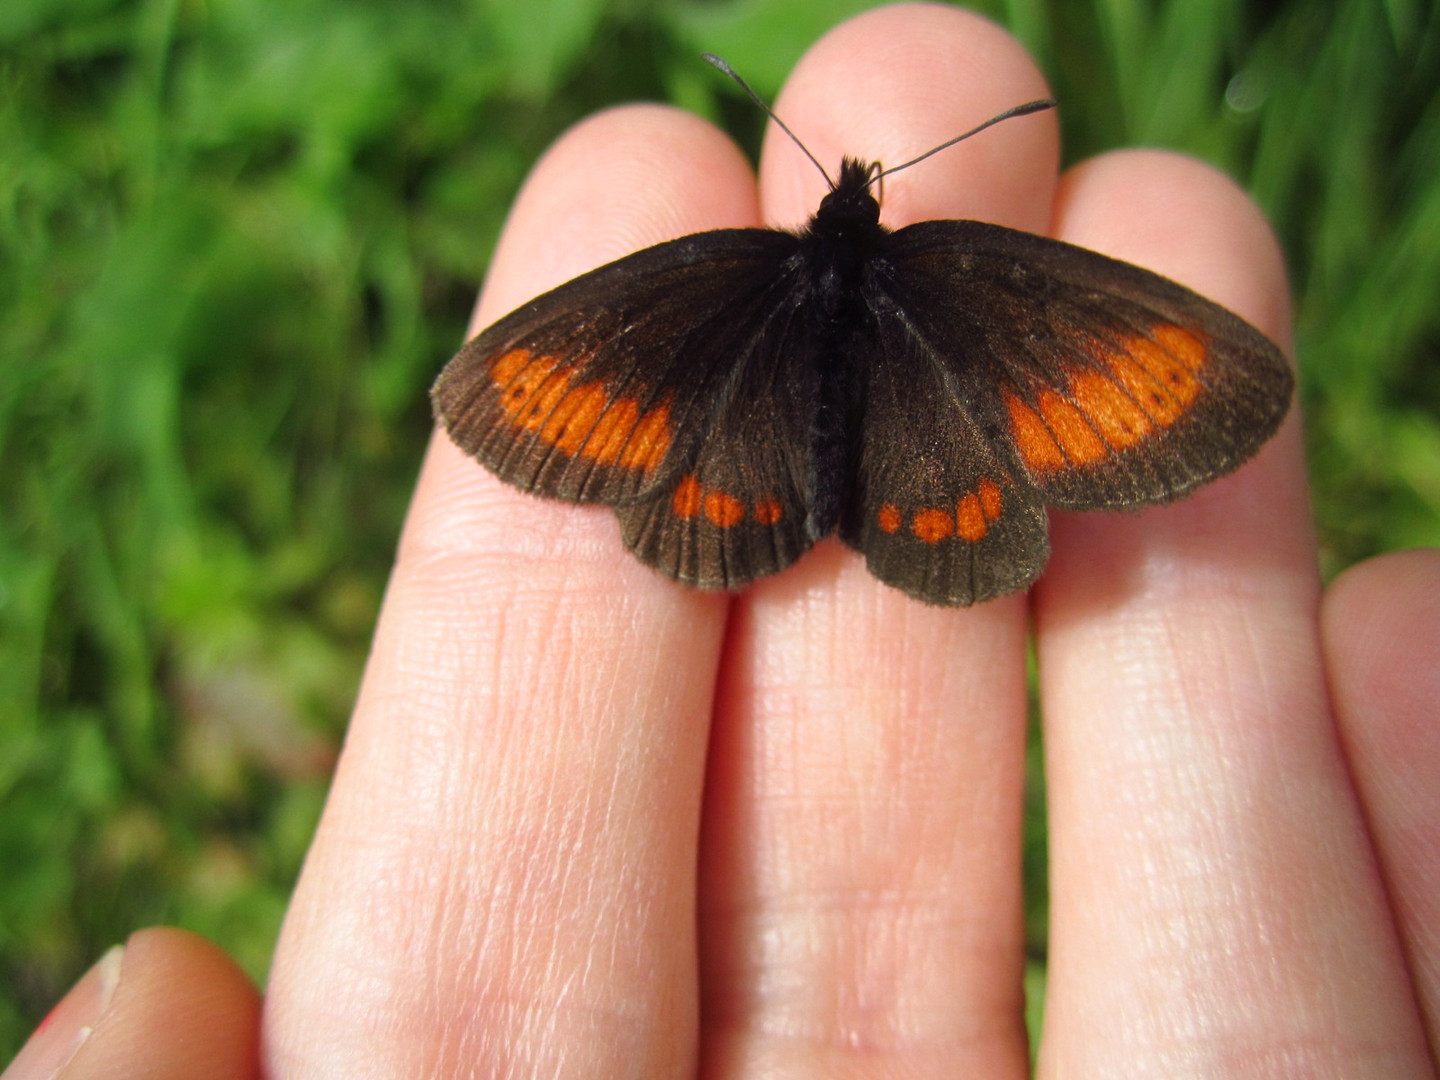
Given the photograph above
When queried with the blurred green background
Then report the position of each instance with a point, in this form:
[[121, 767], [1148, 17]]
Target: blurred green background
[[237, 240]]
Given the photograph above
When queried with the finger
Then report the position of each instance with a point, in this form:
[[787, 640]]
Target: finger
[[167, 1005], [1381, 630], [1214, 906], [503, 882], [860, 906]]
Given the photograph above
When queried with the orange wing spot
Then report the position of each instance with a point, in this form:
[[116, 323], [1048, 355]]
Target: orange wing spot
[[1071, 431], [686, 502], [1121, 422], [531, 387], [1037, 446], [1159, 405], [767, 511], [537, 394], [932, 526], [1175, 376], [539, 405], [1187, 346], [724, 510], [970, 519], [572, 422], [612, 431], [990, 503], [506, 366], [650, 441], [889, 518]]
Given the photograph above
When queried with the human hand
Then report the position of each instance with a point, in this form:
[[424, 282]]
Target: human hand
[[589, 823]]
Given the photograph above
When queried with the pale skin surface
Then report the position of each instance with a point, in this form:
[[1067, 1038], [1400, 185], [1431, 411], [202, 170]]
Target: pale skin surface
[[591, 824]]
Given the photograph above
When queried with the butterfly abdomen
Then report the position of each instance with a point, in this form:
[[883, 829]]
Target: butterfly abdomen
[[835, 392]]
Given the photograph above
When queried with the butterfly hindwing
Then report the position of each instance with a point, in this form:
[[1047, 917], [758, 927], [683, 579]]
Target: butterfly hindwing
[[1111, 385], [735, 507], [935, 510], [601, 389]]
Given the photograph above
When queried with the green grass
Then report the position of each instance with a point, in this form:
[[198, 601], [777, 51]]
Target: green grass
[[237, 239]]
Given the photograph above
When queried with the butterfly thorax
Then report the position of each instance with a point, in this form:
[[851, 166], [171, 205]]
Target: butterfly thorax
[[840, 239]]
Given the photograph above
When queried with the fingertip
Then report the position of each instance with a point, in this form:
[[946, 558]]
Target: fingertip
[[616, 182], [1380, 625], [169, 1005], [1248, 533], [892, 83], [1182, 218], [889, 85], [1380, 630]]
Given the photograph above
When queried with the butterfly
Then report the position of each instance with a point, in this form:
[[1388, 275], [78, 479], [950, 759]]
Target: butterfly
[[737, 395]]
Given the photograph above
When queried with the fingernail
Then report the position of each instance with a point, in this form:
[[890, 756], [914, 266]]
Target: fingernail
[[62, 1033]]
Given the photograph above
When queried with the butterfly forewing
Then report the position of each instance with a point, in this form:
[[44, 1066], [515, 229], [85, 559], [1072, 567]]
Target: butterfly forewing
[[601, 389], [1110, 385]]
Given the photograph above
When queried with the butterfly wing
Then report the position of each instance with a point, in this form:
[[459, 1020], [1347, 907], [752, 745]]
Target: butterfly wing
[[937, 508], [665, 384], [1010, 371], [1109, 385], [737, 510], [1112, 385]]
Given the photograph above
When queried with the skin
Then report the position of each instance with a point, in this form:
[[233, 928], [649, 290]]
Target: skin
[[588, 823]]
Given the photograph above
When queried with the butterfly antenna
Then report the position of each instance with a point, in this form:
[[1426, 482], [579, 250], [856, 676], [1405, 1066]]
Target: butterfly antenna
[[711, 58], [1019, 110]]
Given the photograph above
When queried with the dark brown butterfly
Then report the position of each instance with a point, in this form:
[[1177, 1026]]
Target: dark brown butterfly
[[737, 395]]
